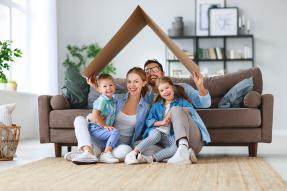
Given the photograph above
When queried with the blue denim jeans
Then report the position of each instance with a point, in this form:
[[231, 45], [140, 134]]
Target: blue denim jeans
[[104, 136]]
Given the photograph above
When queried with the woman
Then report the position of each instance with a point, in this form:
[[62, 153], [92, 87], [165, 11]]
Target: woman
[[131, 112]]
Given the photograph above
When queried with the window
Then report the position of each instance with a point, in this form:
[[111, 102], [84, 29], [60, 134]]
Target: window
[[32, 26], [13, 22]]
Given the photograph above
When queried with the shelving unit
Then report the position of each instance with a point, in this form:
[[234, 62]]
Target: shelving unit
[[226, 42]]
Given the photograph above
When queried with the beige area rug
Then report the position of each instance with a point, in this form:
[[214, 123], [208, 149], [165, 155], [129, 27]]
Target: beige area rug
[[211, 173]]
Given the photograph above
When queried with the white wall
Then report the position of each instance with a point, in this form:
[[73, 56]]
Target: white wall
[[86, 21], [25, 113]]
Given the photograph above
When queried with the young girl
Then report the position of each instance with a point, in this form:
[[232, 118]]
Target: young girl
[[159, 123]]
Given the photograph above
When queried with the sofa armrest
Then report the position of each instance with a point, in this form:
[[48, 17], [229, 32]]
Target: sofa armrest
[[267, 117], [44, 109]]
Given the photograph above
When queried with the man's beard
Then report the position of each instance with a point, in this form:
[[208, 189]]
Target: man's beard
[[152, 82]]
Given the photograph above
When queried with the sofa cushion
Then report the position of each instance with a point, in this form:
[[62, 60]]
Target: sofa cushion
[[59, 102], [252, 99], [218, 86], [233, 98], [65, 118], [231, 117]]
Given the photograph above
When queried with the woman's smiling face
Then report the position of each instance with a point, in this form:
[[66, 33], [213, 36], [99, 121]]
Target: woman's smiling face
[[134, 83]]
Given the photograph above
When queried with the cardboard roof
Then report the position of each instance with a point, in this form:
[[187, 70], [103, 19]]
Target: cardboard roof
[[135, 23]]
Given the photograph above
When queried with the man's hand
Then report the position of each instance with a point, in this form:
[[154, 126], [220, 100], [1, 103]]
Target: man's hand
[[198, 80]]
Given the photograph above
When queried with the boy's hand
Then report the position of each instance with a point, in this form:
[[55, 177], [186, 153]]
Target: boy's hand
[[110, 128]]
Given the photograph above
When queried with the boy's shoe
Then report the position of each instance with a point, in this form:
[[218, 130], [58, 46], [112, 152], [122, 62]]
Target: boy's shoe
[[192, 156], [108, 158], [85, 158], [182, 156], [73, 154], [131, 158], [144, 159]]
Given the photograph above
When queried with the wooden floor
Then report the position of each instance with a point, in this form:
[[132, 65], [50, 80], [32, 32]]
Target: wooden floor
[[275, 153]]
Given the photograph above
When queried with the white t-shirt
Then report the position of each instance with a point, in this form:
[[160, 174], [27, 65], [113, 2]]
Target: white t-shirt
[[126, 125], [165, 129]]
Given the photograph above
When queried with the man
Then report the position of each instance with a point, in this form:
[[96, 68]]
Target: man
[[189, 136]]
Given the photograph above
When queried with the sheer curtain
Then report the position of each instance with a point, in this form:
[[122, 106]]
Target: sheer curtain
[[32, 27], [42, 35]]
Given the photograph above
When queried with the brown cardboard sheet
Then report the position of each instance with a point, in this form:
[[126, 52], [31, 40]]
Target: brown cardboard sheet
[[134, 24]]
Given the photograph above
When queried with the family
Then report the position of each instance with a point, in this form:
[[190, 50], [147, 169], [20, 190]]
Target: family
[[154, 121]]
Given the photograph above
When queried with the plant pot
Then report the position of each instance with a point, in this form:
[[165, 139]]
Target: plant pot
[[12, 86]]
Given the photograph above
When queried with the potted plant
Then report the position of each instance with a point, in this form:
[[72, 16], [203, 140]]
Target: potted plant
[[7, 55], [75, 87]]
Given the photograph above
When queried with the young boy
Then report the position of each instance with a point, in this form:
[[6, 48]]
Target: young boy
[[103, 117]]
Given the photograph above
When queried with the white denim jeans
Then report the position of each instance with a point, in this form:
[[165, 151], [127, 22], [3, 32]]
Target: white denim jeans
[[84, 139]]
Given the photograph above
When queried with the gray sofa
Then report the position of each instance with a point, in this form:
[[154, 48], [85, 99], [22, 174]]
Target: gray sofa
[[245, 126]]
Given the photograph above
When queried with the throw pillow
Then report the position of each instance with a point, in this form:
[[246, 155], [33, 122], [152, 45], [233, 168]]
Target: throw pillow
[[233, 98], [59, 102], [252, 99], [75, 88], [5, 113]]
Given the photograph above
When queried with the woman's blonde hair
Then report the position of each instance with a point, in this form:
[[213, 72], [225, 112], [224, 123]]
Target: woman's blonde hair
[[139, 71]]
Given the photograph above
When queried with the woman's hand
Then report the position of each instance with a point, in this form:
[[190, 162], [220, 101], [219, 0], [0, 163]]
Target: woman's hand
[[198, 80], [92, 82]]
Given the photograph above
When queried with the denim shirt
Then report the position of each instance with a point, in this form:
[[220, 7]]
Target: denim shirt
[[141, 113], [198, 101]]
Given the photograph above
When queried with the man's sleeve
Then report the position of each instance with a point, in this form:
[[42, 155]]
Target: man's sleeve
[[197, 100]]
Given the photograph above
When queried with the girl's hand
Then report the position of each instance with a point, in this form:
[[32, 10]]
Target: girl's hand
[[167, 120], [160, 123], [198, 80]]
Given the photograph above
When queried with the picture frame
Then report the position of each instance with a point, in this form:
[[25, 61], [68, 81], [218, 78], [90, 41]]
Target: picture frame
[[223, 21], [201, 14]]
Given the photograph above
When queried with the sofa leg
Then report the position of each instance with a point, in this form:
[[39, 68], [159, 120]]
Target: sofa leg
[[58, 149], [252, 148]]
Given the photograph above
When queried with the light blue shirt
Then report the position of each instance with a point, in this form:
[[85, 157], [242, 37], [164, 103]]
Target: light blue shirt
[[107, 107]]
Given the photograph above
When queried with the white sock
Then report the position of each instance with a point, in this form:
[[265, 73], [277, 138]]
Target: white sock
[[183, 141]]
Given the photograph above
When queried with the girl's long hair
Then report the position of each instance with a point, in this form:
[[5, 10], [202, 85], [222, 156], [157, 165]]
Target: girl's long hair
[[178, 90], [139, 71]]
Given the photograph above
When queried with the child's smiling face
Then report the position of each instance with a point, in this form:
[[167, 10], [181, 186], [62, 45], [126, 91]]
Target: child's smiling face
[[107, 87], [166, 91]]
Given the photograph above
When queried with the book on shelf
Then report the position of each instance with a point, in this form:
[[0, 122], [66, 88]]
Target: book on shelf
[[211, 53]]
